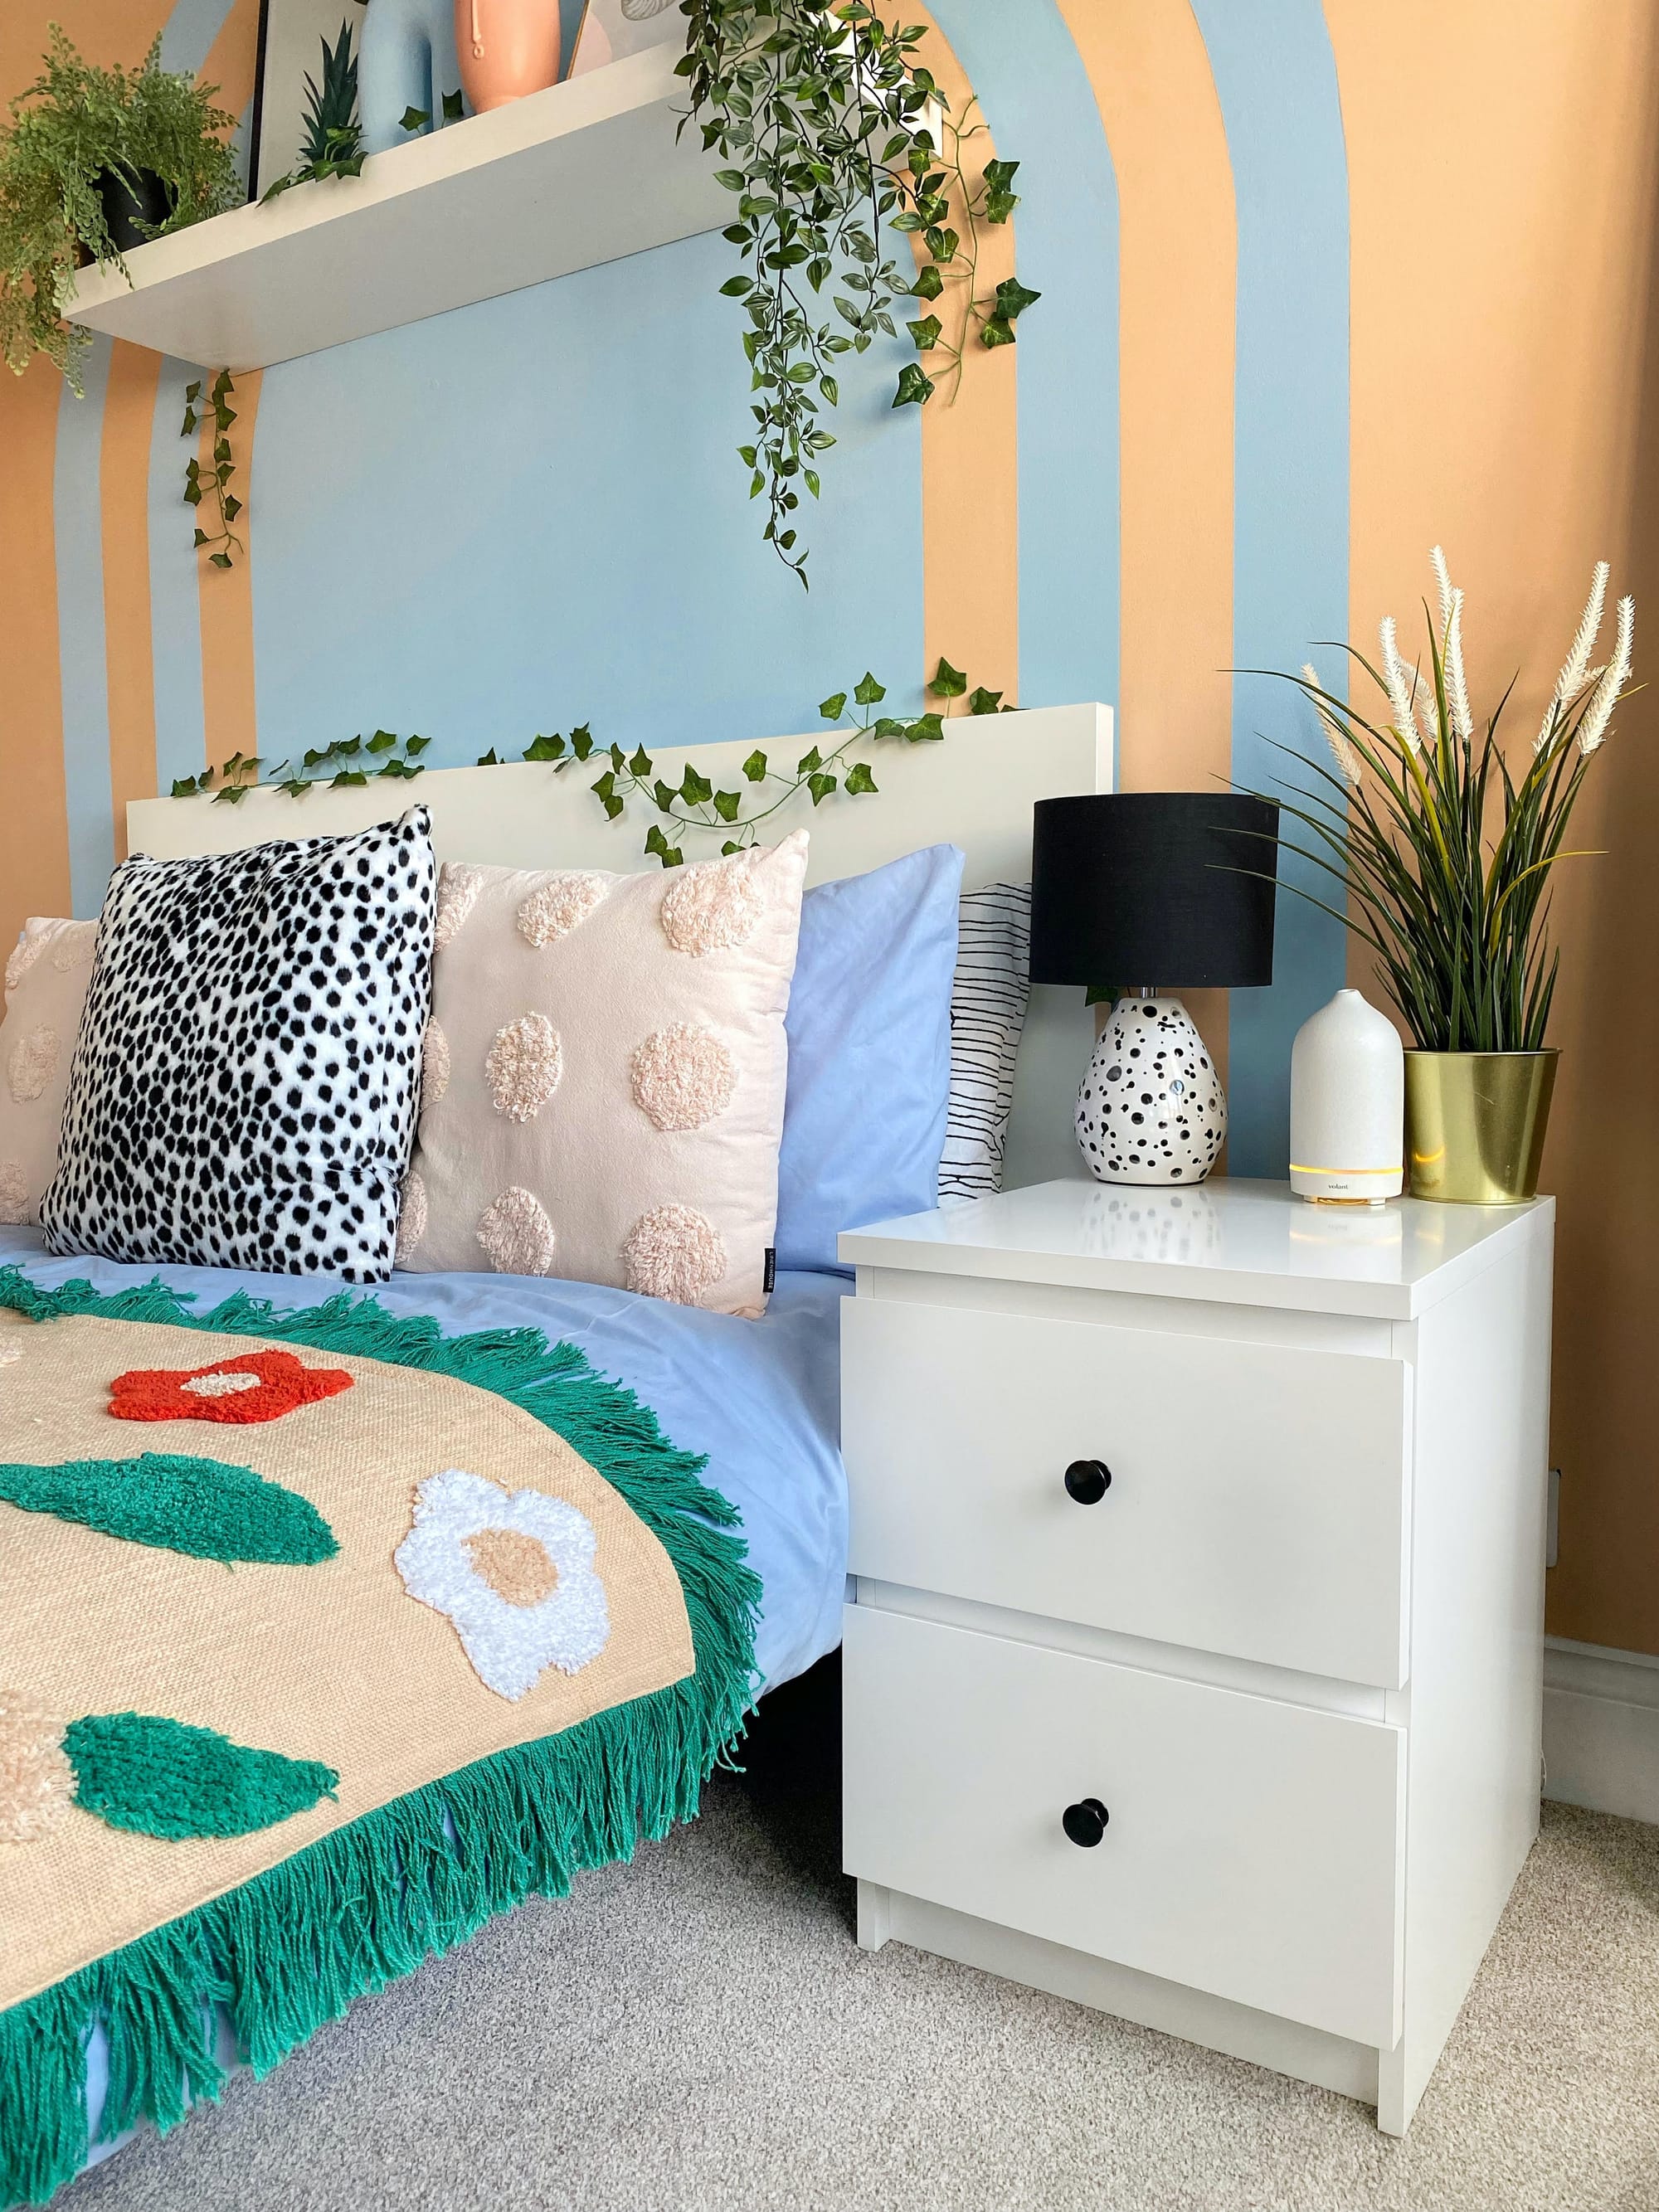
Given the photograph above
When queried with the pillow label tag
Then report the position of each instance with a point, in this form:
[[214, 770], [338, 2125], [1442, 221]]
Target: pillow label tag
[[769, 1279]]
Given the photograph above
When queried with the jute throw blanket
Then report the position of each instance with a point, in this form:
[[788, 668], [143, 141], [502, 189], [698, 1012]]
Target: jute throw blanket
[[322, 1637]]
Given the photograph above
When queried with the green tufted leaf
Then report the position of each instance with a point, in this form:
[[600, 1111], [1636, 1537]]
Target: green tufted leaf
[[162, 1777], [203, 1507]]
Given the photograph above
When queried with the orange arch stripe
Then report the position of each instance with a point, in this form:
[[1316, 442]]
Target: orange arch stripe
[[1178, 245], [230, 58], [970, 464]]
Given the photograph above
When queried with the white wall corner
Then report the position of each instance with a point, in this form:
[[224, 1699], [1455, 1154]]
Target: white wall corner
[[1602, 1728]]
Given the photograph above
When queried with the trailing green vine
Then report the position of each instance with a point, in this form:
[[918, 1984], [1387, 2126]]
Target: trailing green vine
[[213, 482], [943, 187], [346, 763], [693, 804], [826, 118]]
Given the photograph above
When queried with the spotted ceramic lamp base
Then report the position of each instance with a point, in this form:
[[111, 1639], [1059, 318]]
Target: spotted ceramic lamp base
[[1151, 1109]]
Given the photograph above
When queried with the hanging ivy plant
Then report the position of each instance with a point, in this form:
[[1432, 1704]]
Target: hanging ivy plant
[[832, 127], [213, 482]]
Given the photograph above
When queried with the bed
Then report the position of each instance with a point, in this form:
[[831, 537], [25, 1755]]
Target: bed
[[760, 1399]]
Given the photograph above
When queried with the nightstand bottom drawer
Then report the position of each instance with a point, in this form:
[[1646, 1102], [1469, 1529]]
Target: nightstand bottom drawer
[[1251, 1849]]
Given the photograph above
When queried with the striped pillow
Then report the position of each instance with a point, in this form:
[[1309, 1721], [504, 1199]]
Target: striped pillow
[[988, 997]]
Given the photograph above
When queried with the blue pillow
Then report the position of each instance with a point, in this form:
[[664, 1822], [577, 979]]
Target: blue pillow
[[869, 1030]]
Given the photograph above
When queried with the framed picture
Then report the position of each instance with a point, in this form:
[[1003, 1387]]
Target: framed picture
[[293, 34], [611, 28], [408, 60]]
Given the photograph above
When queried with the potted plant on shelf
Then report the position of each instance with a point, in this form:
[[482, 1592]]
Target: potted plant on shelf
[[1445, 850], [94, 162]]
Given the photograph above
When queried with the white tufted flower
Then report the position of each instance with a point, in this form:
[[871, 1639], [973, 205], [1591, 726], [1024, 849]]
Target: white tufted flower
[[513, 1572]]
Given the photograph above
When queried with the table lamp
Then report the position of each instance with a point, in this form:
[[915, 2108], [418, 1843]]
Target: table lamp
[[1144, 889]]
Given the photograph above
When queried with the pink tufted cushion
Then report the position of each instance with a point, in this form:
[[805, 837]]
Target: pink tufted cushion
[[46, 979], [603, 1081]]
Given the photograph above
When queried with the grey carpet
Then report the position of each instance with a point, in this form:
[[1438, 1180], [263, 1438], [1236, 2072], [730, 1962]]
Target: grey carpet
[[698, 2031]]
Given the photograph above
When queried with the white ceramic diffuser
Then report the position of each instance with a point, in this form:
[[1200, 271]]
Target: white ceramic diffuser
[[1347, 1105]]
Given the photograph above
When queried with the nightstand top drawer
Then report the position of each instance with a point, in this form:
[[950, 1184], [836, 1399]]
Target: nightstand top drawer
[[1243, 1499], [1236, 1241]]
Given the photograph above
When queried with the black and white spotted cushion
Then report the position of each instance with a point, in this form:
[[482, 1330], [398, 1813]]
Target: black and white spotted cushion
[[246, 1081]]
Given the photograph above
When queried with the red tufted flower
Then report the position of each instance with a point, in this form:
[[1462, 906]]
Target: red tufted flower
[[255, 1386]]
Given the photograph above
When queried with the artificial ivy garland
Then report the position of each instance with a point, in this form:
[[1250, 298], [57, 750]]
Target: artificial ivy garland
[[692, 803], [826, 118], [214, 481]]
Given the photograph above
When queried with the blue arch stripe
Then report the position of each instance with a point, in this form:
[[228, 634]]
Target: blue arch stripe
[[175, 606], [1035, 94], [77, 533], [190, 29], [1276, 76]]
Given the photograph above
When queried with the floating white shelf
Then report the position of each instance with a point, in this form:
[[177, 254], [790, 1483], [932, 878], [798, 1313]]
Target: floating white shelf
[[585, 172]]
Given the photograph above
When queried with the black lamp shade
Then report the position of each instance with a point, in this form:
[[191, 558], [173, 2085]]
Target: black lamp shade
[[1144, 888]]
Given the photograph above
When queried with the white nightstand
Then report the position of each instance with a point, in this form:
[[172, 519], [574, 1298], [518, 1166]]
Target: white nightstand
[[1195, 1671]]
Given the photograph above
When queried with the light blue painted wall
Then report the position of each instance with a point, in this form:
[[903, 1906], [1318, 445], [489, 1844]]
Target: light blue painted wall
[[529, 513], [1276, 76]]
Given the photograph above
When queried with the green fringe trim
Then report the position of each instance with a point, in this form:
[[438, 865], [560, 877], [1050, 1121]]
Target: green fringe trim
[[288, 1951]]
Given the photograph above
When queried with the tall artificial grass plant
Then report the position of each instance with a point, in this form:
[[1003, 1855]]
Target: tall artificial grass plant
[[1446, 851]]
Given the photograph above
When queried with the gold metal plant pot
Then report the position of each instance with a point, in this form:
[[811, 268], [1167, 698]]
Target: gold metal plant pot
[[1476, 1124]]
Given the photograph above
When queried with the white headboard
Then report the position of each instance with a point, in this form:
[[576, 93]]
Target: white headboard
[[976, 790]]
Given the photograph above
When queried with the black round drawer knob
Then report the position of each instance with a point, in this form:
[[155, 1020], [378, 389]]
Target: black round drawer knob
[[1085, 1823], [1088, 1480]]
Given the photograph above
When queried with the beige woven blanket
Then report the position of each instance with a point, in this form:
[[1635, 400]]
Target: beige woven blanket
[[335, 1661]]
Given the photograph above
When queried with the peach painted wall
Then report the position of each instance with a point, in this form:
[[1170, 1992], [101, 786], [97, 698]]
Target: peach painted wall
[[1503, 163]]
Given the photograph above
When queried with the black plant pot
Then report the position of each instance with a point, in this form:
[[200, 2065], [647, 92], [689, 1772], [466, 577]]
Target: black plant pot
[[127, 202]]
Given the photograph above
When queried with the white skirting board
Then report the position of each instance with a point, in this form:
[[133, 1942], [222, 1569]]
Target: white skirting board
[[1601, 1728]]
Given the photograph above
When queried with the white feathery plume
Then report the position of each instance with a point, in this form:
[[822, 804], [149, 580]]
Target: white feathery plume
[[1457, 689], [1348, 760], [1574, 667], [1594, 728], [1423, 698], [1576, 671], [1398, 688], [1442, 577]]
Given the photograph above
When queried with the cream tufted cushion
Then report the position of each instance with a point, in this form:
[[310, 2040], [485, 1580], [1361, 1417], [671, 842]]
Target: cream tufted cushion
[[46, 979], [602, 1092]]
